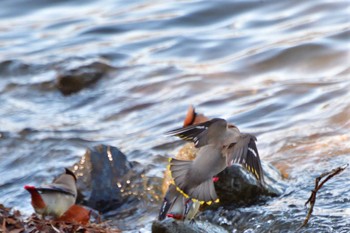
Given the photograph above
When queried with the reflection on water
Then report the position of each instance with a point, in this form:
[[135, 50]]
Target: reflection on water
[[278, 69]]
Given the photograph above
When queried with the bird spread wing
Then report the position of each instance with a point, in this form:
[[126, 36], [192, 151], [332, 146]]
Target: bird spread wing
[[55, 188], [245, 152], [194, 133], [201, 190]]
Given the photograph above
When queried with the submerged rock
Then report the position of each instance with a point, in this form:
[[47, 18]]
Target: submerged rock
[[73, 80], [172, 226], [103, 172]]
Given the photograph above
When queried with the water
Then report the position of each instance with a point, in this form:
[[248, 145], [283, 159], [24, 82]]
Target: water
[[278, 69]]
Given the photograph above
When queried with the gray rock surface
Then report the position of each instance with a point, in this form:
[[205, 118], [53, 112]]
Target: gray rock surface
[[237, 186]]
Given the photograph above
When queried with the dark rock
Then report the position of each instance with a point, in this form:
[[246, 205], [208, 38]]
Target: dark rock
[[78, 78], [102, 175], [172, 226], [239, 187]]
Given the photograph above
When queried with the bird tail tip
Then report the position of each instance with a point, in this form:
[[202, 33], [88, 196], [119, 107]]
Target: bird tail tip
[[29, 188]]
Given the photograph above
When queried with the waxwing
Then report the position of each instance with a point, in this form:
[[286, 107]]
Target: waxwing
[[220, 145], [56, 198]]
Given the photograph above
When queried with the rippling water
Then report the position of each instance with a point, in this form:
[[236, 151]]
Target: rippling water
[[279, 69]]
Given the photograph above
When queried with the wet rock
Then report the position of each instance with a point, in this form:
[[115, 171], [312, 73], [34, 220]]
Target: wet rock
[[75, 79], [239, 187], [172, 226], [102, 174]]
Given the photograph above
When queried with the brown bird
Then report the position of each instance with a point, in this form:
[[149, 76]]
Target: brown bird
[[56, 198], [220, 145]]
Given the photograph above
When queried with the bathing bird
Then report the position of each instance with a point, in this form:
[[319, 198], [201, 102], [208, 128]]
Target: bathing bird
[[219, 144]]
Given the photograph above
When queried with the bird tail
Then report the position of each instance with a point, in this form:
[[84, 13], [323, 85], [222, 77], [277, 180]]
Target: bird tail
[[203, 192], [171, 198], [37, 200]]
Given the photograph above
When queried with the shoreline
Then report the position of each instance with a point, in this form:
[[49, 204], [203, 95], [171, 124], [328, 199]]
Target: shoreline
[[13, 221]]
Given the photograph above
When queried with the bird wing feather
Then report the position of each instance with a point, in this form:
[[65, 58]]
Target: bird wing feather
[[245, 152], [56, 188], [195, 133]]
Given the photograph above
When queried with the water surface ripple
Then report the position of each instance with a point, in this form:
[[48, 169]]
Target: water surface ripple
[[278, 69]]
